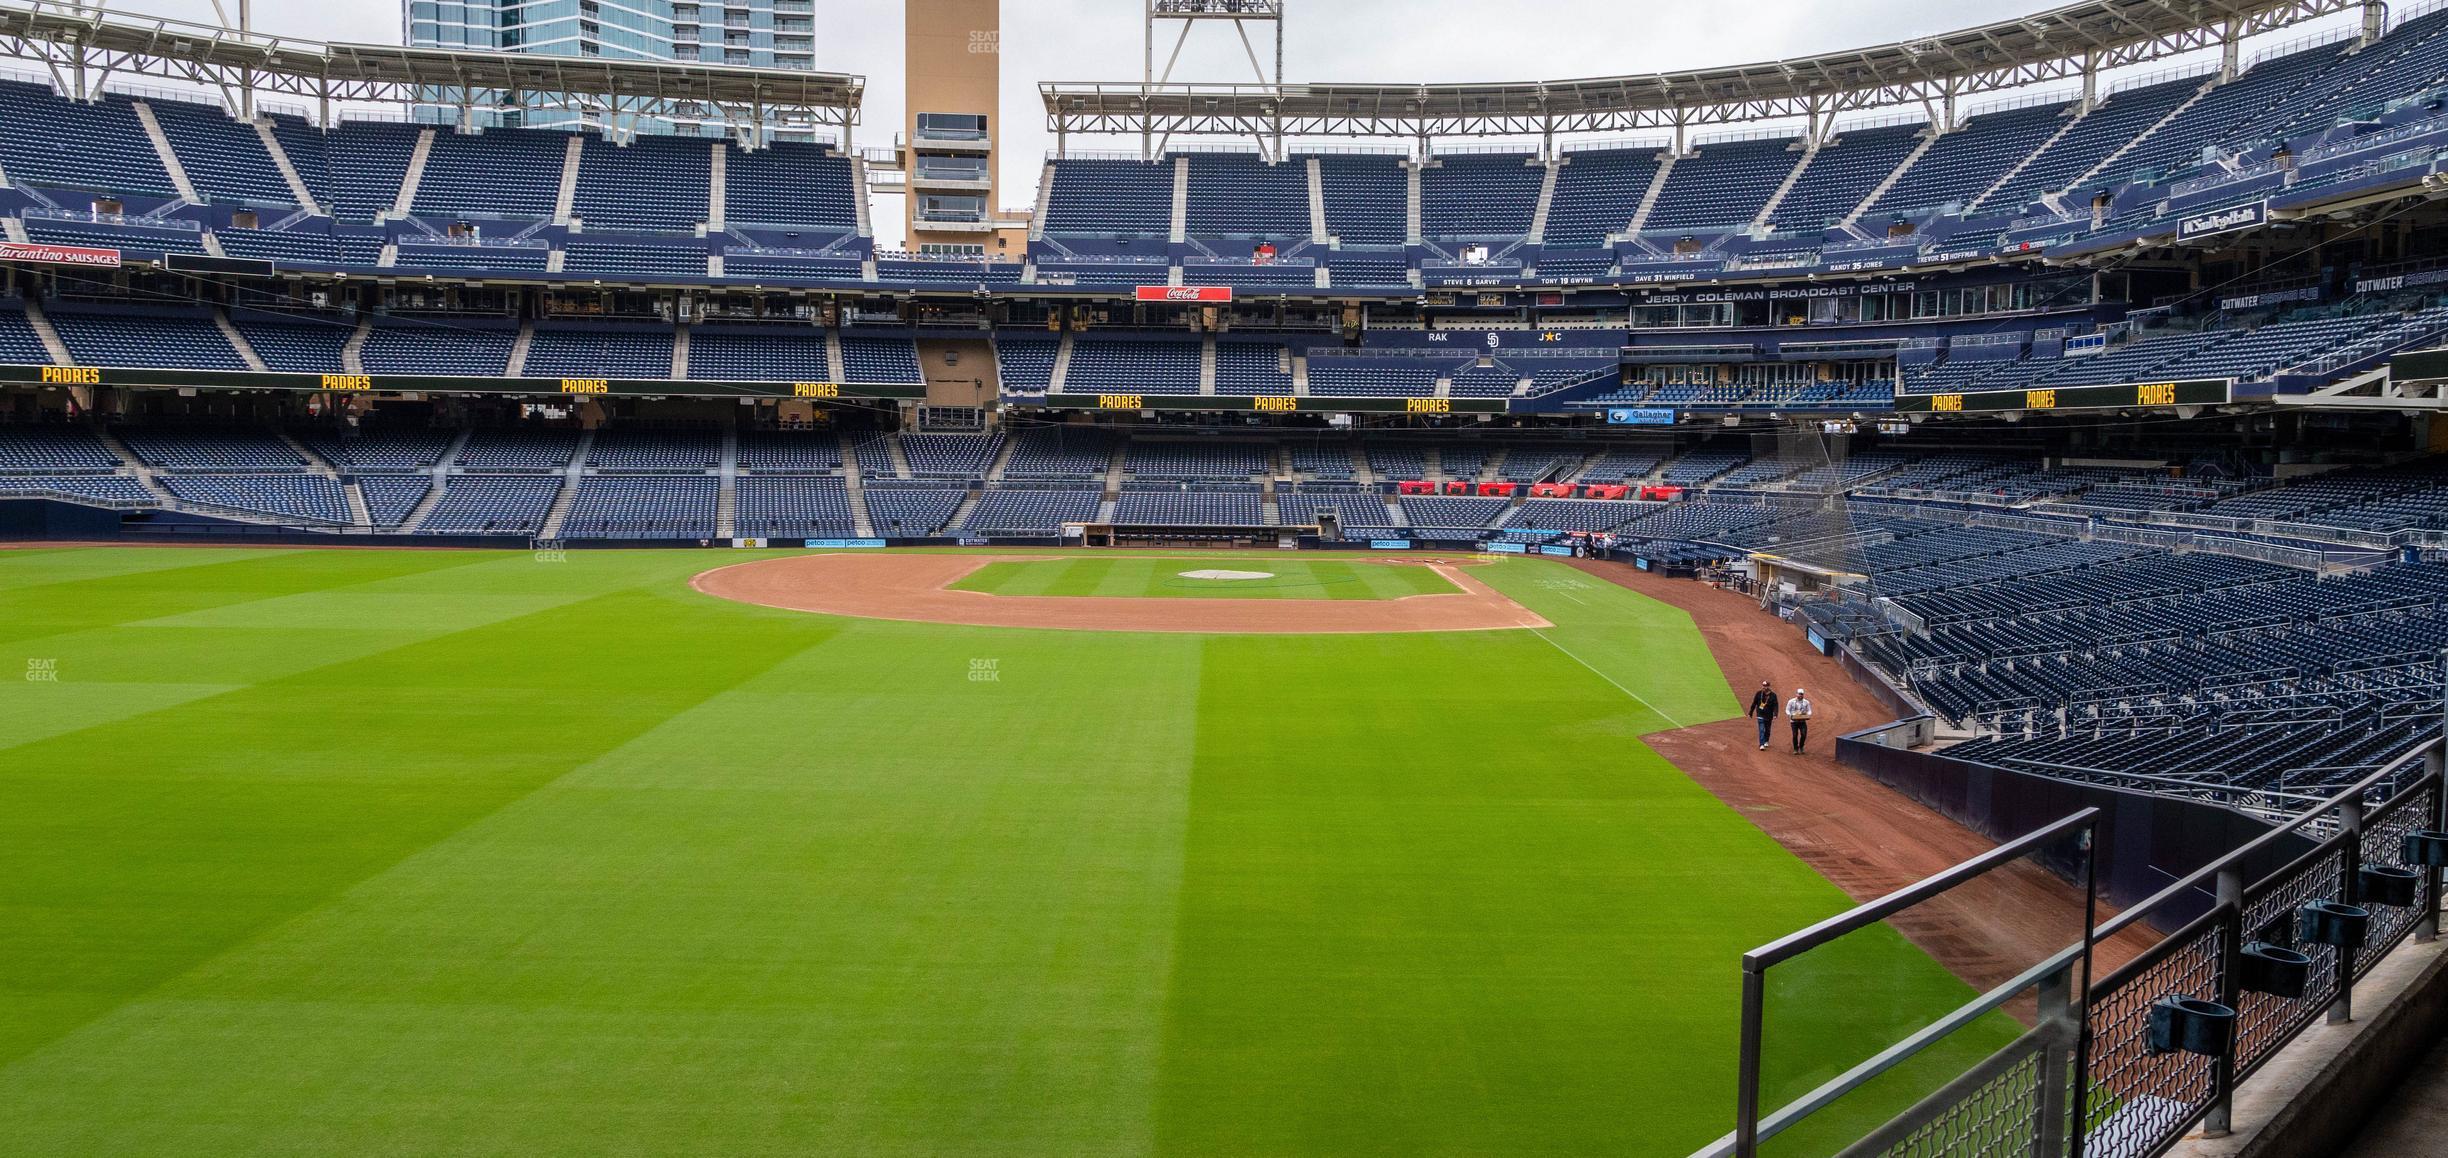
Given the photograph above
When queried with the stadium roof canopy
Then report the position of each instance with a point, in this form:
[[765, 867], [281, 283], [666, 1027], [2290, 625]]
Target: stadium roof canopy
[[82, 45], [2078, 40]]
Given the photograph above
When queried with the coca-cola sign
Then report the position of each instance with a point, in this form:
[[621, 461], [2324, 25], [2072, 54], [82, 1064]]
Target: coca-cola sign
[[60, 255], [1185, 293]]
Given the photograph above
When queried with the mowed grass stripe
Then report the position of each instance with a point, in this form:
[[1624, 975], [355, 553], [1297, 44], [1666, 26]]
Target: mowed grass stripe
[[784, 920], [1511, 930], [145, 846]]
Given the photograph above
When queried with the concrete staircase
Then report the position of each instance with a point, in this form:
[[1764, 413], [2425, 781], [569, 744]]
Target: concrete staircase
[[138, 468], [565, 202], [1002, 460], [726, 501], [1114, 473], [518, 350], [718, 184], [858, 180], [288, 171], [1793, 177], [433, 498], [562, 502], [1045, 198], [1546, 201], [680, 353], [360, 517], [1181, 201], [1207, 365], [1062, 365], [413, 177], [1889, 181], [169, 156], [1300, 376], [352, 352], [1649, 200], [1317, 209], [2112, 158], [50, 338], [237, 341], [2024, 162], [1413, 232], [855, 482]]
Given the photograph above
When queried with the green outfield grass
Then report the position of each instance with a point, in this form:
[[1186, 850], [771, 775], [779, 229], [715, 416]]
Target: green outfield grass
[[419, 852], [1290, 577]]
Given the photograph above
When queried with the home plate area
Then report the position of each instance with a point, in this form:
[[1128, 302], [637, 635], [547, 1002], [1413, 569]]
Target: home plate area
[[919, 588]]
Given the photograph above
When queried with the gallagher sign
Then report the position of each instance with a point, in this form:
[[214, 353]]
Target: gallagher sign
[[60, 255], [2222, 221], [1185, 293]]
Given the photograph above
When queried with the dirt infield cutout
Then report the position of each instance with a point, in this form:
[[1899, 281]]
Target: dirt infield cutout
[[917, 589]]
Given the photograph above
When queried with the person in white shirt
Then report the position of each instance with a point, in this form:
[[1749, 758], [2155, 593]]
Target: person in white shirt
[[1798, 713]]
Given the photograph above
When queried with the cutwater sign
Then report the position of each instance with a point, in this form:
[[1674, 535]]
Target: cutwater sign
[[1639, 416], [2222, 221]]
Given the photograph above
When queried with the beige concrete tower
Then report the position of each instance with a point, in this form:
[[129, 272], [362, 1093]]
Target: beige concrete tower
[[952, 70]]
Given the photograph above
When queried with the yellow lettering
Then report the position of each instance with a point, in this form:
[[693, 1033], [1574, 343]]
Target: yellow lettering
[[1275, 403], [72, 375], [2156, 394], [347, 382], [2040, 399], [1121, 402], [1427, 405], [1948, 402], [815, 390], [585, 386]]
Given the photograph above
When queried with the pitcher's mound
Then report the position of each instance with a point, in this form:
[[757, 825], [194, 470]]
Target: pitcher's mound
[[1212, 573], [917, 588]]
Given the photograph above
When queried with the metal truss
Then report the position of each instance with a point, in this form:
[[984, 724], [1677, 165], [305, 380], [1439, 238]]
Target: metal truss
[[81, 46], [2077, 41]]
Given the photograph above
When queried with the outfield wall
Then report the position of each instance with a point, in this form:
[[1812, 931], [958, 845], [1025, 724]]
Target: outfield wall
[[2147, 842]]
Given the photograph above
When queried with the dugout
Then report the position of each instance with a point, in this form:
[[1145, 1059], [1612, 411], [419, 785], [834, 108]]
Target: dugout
[[1186, 535], [1779, 575]]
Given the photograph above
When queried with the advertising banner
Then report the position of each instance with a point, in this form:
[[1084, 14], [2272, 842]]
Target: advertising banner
[[88, 256], [1185, 293]]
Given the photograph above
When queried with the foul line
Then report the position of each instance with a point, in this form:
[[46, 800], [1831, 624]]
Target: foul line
[[1644, 702]]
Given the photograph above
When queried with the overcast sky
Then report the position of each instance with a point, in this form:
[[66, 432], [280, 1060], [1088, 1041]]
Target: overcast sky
[[1353, 40]]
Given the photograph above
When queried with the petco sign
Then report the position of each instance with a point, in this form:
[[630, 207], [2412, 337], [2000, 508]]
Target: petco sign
[[2223, 221], [60, 255], [1185, 293]]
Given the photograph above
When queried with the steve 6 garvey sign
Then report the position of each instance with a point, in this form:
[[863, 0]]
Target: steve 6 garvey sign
[[60, 255], [1185, 293]]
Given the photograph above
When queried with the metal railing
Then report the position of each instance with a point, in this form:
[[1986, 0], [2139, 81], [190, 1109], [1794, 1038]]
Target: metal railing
[[2160, 1044]]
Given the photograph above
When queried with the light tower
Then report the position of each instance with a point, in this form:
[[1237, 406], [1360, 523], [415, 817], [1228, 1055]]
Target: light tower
[[1189, 14]]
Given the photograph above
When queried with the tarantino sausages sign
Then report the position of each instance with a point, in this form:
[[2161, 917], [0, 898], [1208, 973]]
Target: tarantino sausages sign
[[87, 256]]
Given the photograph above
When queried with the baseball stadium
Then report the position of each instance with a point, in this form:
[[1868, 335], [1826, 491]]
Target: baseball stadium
[[569, 592]]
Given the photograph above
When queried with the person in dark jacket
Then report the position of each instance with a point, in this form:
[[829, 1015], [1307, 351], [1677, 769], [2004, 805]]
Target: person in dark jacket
[[1764, 710]]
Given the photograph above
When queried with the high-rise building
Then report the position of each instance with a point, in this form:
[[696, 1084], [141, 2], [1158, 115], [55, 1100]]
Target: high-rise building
[[753, 33]]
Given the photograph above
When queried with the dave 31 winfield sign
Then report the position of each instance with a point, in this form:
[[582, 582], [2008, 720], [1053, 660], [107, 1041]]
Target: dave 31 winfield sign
[[1185, 293], [60, 255]]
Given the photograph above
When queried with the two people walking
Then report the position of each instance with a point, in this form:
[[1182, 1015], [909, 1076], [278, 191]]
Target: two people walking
[[1797, 711]]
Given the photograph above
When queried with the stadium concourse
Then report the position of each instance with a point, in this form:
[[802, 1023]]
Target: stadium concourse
[[1380, 499]]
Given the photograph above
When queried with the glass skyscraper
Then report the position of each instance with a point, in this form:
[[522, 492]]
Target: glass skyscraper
[[755, 33]]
